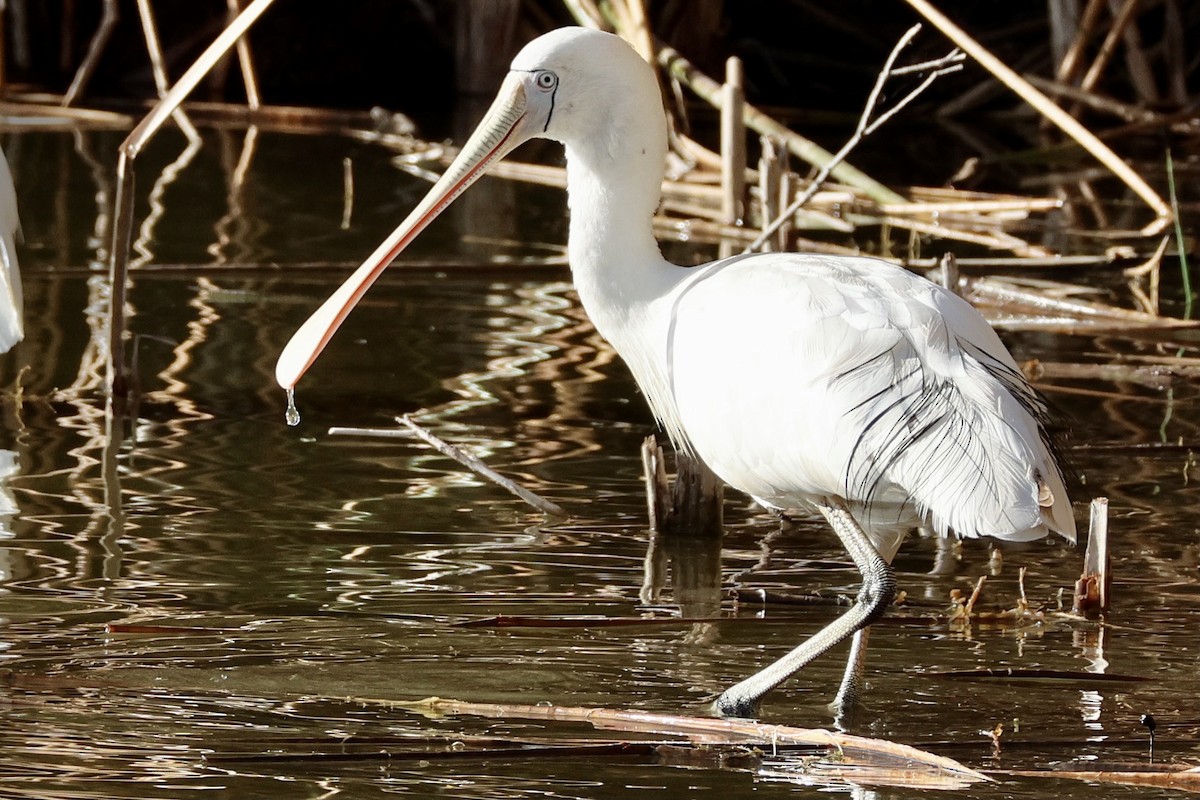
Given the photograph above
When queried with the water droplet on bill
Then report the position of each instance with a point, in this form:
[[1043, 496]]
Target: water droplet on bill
[[292, 415]]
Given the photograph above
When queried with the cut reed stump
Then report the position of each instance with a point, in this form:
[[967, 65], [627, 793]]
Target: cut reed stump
[[1092, 588], [691, 504]]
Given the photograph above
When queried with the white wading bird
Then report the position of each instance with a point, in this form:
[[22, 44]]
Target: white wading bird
[[840, 383], [12, 326]]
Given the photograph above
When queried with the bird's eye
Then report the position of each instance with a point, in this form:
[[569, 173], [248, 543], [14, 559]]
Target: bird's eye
[[546, 81]]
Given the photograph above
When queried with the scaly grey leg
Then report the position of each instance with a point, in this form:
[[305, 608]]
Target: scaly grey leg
[[850, 692], [877, 593]]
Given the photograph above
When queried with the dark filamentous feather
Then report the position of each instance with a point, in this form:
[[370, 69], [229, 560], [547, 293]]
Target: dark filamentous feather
[[1033, 401], [918, 408]]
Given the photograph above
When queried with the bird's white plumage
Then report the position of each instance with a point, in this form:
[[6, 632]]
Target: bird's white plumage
[[884, 403]]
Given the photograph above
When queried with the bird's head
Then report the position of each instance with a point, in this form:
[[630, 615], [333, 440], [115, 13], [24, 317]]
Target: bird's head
[[577, 84]]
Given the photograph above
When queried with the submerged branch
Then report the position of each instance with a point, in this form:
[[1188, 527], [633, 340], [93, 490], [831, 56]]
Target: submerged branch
[[856, 759], [469, 461]]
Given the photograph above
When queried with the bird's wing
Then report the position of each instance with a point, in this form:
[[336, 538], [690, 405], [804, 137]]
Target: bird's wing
[[802, 376]]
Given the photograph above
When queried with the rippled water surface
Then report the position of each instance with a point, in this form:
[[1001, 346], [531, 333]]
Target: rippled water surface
[[201, 600]]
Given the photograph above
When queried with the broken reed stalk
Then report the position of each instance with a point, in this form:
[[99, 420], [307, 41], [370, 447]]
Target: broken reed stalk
[[948, 274], [117, 370], [770, 182], [1092, 588], [733, 144], [468, 460], [865, 127], [1060, 118], [692, 504]]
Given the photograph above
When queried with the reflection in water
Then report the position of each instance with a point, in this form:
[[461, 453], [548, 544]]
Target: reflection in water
[[1091, 648], [146, 232], [235, 229], [8, 509], [693, 563], [538, 342]]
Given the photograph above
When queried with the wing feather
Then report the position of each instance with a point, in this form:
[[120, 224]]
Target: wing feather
[[884, 389]]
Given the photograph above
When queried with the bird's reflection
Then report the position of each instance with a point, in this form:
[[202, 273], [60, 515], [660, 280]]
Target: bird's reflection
[[9, 467]]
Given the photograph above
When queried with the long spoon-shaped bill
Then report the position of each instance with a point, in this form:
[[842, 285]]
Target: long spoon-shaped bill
[[498, 133]]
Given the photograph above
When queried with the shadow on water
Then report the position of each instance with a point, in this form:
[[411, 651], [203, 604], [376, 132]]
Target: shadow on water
[[210, 583]]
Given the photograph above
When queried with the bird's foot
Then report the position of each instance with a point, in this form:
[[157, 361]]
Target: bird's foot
[[733, 706], [845, 712]]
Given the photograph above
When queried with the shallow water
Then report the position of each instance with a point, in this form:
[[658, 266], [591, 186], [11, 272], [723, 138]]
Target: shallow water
[[204, 599]]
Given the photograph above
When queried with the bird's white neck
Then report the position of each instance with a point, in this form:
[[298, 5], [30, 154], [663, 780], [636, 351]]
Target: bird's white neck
[[618, 270], [615, 260]]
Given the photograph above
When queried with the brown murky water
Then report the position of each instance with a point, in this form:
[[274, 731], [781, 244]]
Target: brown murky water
[[201, 603]]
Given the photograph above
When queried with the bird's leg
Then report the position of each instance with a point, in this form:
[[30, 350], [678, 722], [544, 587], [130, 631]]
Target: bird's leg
[[850, 691], [877, 592]]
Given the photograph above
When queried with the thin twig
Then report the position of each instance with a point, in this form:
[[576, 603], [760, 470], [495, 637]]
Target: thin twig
[[461, 456], [108, 21], [953, 57], [864, 128]]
